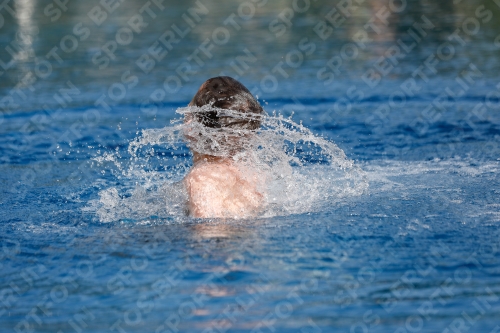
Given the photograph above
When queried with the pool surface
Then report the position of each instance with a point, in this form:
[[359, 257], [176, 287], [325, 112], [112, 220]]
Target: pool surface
[[94, 235]]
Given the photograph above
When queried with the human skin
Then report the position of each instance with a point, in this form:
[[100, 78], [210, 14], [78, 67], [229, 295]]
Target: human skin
[[221, 188]]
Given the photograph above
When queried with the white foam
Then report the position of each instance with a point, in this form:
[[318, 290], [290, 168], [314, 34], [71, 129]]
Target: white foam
[[305, 173]]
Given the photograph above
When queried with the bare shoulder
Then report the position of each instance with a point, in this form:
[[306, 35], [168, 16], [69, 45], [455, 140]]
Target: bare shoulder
[[212, 169], [211, 174], [218, 190]]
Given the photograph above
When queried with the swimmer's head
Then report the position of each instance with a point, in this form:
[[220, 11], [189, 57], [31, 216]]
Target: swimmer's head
[[224, 92]]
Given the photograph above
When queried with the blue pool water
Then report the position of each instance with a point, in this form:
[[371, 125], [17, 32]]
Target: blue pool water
[[94, 236]]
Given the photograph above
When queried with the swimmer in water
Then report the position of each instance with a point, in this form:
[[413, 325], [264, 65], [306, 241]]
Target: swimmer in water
[[219, 184]]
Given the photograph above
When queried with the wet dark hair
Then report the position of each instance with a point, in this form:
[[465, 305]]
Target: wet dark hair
[[224, 92]]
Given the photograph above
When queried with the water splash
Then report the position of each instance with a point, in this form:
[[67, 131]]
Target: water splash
[[304, 172]]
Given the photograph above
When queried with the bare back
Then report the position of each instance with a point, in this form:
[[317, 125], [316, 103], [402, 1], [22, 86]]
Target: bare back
[[223, 189]]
